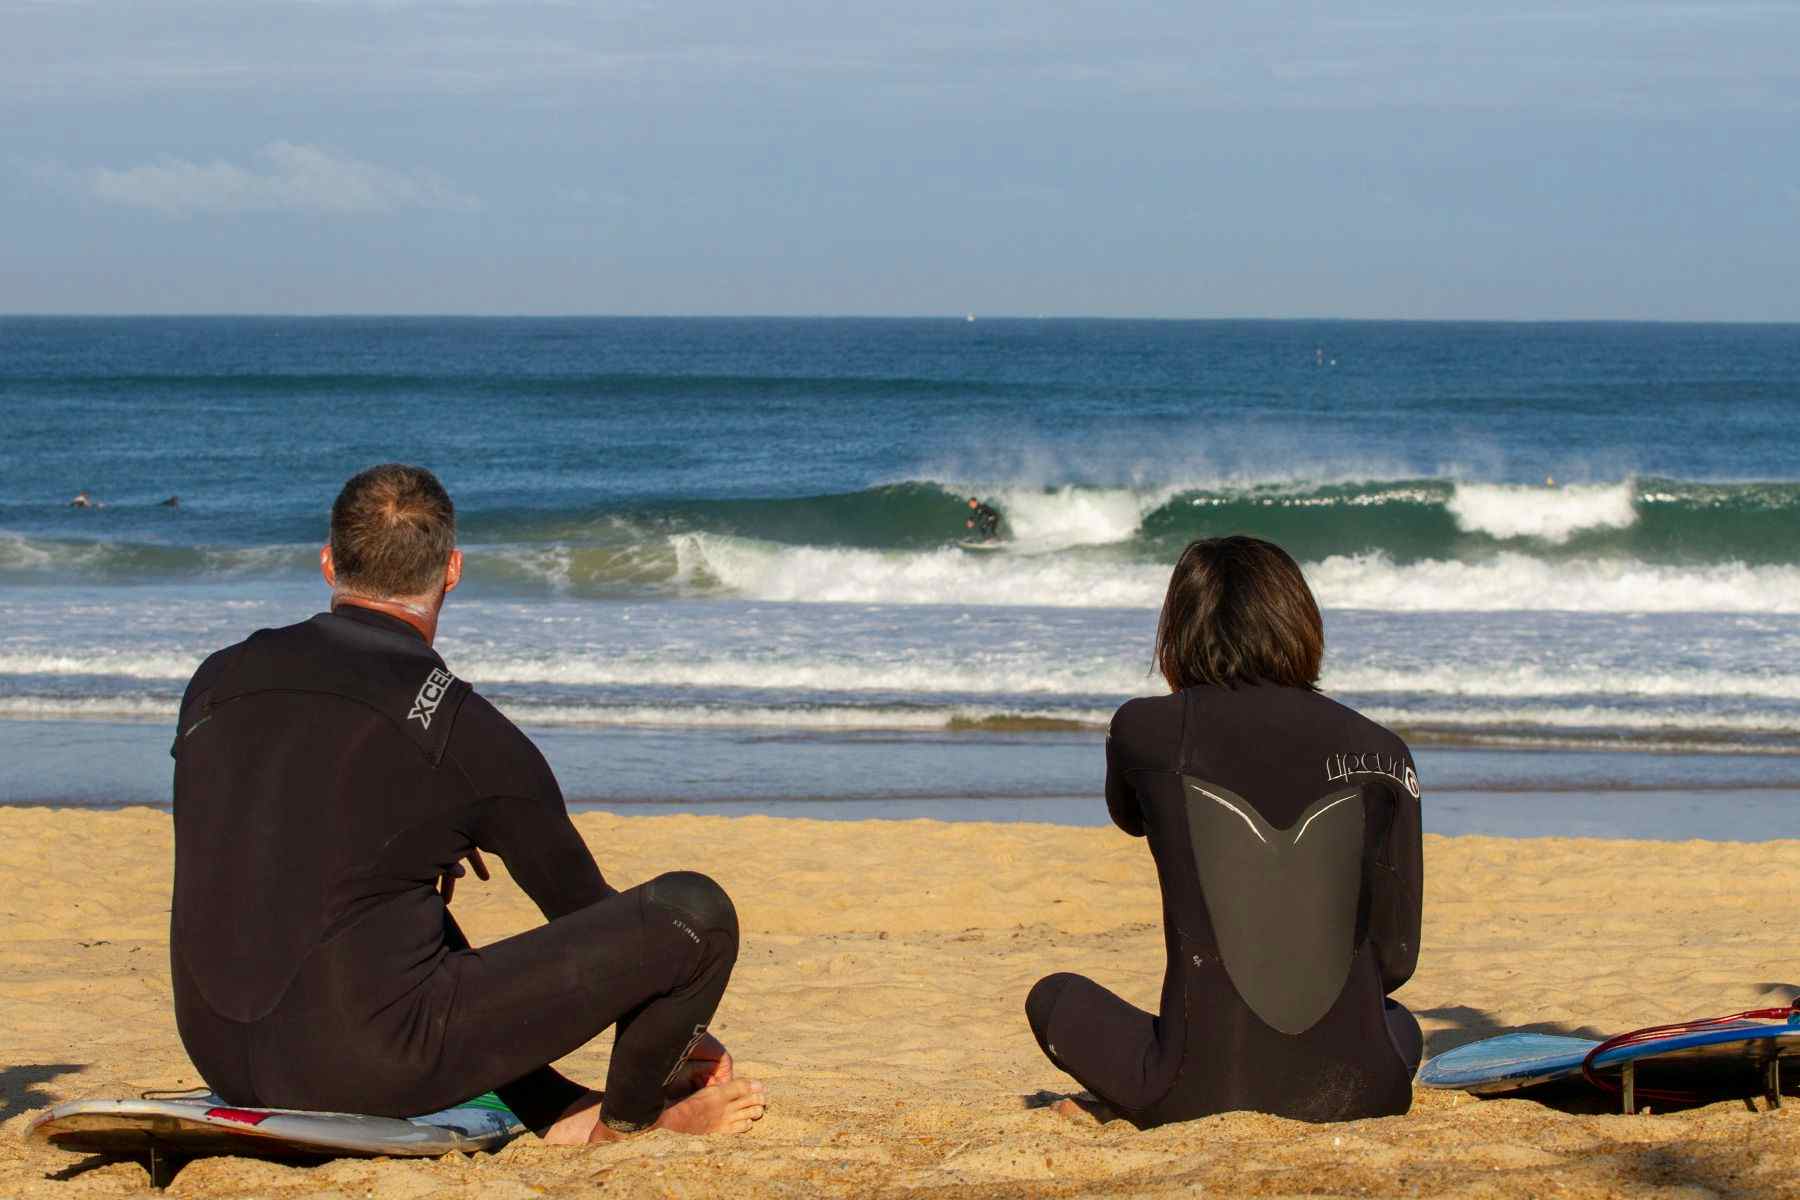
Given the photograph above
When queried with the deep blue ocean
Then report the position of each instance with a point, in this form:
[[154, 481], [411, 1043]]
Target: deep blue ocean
[[715, 562]]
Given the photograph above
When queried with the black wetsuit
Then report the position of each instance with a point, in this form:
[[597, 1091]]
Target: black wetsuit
[[985, 521], [1285, 830], [327, 774]]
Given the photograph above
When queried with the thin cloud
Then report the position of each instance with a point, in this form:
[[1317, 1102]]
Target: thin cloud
[[282, 177]]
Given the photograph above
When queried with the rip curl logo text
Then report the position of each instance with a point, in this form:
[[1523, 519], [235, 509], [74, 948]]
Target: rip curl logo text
[[1340, 768], [431, 694]]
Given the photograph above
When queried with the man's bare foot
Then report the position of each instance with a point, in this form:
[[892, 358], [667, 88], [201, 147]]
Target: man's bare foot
[[724, 1108], [576, 1124], [697, 1073]]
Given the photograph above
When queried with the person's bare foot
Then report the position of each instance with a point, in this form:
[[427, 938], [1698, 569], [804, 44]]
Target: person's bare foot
[[576, 1124], [723, 1108], [695, 1074]]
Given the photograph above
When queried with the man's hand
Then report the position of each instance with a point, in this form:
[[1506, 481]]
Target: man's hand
[[447, 881], [708, 1063]]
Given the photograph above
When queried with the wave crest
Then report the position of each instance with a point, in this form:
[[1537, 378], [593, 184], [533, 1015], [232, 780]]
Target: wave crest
[[1548, 514], [1649, 546]]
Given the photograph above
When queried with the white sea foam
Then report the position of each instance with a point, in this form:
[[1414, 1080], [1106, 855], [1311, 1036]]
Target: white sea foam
[[1051, 519], [1506, 582], [18, 552], [969, 674], [100, 662], [127, 560], [1518, 582], [1588, 717], [1494, 719], [824, 718], [1530, 680], [827, 674], [949, 576], [40, 708], [846, 718], [1548, 514], [1010, 676]]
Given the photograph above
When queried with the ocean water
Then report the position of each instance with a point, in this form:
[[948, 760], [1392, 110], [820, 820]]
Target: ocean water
[[714, 562]]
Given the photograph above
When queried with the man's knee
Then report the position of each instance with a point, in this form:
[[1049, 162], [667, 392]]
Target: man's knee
[[696, 897], [1040, 1003]]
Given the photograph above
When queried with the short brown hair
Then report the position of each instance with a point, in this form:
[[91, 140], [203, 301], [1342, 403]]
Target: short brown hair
[[392, 530], [1239, 611]]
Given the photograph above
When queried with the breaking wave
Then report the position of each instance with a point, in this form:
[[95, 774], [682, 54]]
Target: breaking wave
[[1545, 514], [1652, 545], [1505, 582]]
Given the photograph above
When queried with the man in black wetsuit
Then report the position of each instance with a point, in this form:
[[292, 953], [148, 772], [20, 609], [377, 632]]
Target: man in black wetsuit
[[1285, 830], [983, 519], [330, 779]]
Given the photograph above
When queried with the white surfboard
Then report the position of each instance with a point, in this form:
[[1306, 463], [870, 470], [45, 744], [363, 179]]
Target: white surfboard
[[201, 1123]]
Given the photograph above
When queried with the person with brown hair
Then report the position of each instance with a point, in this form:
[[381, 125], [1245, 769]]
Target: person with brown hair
[[1286, 838], [331, 777]]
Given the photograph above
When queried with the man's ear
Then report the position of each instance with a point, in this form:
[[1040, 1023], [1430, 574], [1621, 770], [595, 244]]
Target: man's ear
[[453, 572], [327, 568]]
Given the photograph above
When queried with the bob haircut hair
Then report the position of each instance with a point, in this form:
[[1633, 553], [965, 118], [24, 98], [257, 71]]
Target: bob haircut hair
[[1239, 612]]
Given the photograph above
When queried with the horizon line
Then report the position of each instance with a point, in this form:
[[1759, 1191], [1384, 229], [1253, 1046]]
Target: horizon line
[[958, 318]]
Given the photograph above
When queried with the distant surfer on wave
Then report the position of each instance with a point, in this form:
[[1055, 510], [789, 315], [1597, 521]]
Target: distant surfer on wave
[[330, 779], [984, 520], [83, 500], [1284, 829]]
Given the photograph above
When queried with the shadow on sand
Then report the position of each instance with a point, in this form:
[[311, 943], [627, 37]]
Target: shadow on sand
[[21, 1087], [1463, 1024]]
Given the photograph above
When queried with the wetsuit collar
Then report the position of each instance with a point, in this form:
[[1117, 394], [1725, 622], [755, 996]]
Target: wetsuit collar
[[352, 611]]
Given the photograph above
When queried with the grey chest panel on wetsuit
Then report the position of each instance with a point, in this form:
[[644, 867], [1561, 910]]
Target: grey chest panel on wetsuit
[[1283, 902]]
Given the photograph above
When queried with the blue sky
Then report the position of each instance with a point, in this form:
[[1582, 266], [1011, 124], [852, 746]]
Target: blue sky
[[1424, 159]]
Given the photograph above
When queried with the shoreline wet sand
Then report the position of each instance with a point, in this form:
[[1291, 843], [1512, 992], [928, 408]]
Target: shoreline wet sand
[[880, 995], [1595, 791]]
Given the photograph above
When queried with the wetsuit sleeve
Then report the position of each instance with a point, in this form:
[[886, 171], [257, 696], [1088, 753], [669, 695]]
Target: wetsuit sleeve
[[542, 851], [195, 700], [520, 815], [1397, 890], [1142, 737], [1121, 801]]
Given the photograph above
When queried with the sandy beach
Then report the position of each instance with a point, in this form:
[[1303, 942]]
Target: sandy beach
[[879, 994]]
